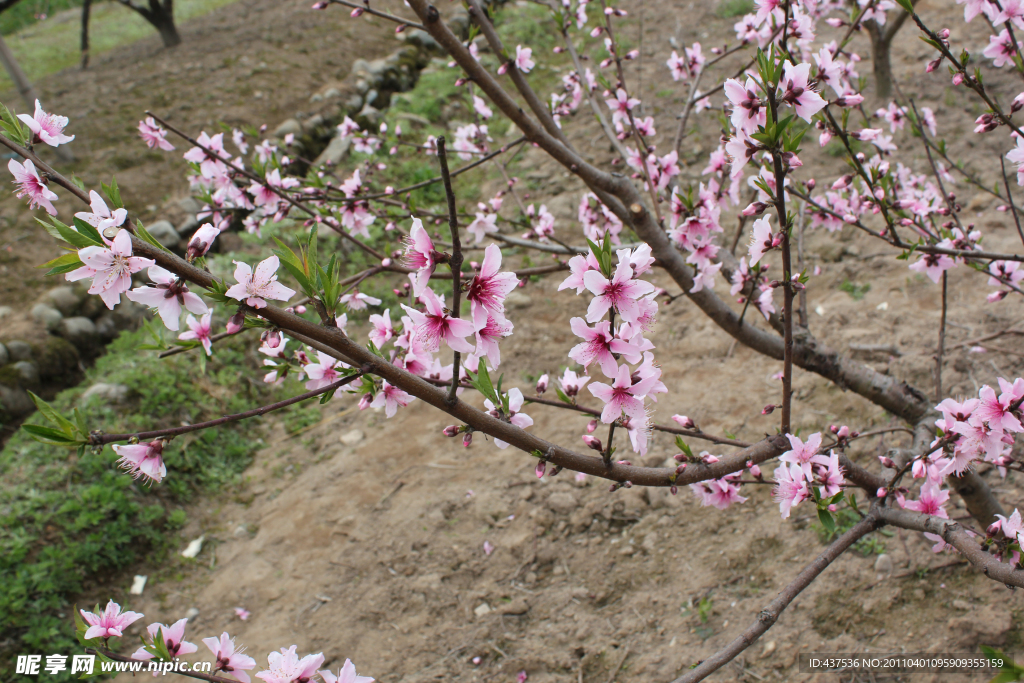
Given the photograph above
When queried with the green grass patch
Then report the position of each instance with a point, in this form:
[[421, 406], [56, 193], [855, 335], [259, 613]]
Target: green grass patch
[[855, 290], [727, 9], [67, 524], [48, 46]]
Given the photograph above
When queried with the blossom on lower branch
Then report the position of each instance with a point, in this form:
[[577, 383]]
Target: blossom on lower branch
[[390, 398], [111, 622], [719, 493], [199, 330], [254, 286], [168, 297], [230, 659], [32, 186], [286, 667], [143, 460], [347, 674], [515, 404], [173, 639], [110, 268]]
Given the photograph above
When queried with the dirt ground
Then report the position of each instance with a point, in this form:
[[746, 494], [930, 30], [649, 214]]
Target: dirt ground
[[363, 537]]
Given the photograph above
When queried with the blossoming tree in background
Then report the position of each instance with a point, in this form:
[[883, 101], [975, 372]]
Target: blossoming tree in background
[[789, 82]]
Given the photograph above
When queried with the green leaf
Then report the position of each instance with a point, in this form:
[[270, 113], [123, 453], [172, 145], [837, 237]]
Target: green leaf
[[562, 397], [481, 381], [75, 238], [49, 435], [88, 230], [63, 264], [907, 5], [145, 236], [113, 193], [684, 447], [827, 521], [52, 415]]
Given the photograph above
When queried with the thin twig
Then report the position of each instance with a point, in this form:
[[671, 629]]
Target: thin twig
[[97, 439], [455, 261]]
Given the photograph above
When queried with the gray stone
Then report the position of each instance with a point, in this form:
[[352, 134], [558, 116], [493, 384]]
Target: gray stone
[[562, 502], [28, 373], [316, 97], [354, 103], [5, 311], [188, 226], [331, 93], [368, 117], [288, 127], [191, 613], [46, 315], [517, 299], [65, 299], [19, 350], [15, 401], [335, 151], [422, 40], [80, 331], [883, 565], [107, 327], [5, 357], [109, 393], [351, 438], [190, 205], [164, 233], [310, 124], [371, 97]]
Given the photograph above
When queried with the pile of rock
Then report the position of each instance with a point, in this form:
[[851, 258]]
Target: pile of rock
[[78, 327]]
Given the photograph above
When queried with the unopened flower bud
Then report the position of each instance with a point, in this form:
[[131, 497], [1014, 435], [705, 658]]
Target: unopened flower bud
[[320, 5], [887, 462], [832, 508], [541, 468], [679, 470], [236, 322], [451, 430], [300, 309], [769, 409], [684, 422], [365, 400], [933, 65], [593, 442], [542, 384], [357, 12], [272, 338], [842, 182], [755, 209], [843, 432], [880, 493], [627, 484], [467, 439], [591, 426], [958, 78], [943, 33]]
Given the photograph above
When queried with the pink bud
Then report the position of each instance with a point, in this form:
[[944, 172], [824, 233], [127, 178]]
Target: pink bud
[[300, 309], [365, 400], [880, 493], [357, 12], [272, 338], [754, 209], [467, 439], [843, 432], [542, 384], [755, 471], [591, 426], [684, 422], [887, 462], [627, 484], [320, 5], [236, 322], [386, 262], [769, 409], [958, 78], [632, 54], [831, 508], [810, 183], [673, 490], [679, 470], [401, 27], [932, 65], [451, 430], [679, 457], [943, 33], [592, 442], [709, 459], [541, 468], [477, 660]]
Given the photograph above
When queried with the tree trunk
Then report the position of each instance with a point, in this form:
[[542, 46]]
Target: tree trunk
[[163, 19], [880, 59], [86, 6]]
